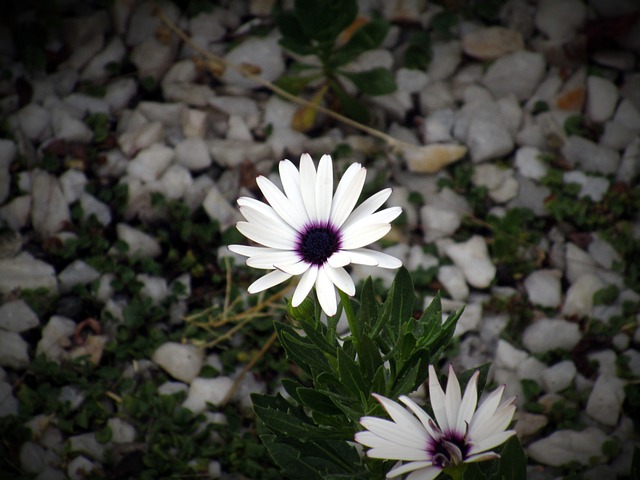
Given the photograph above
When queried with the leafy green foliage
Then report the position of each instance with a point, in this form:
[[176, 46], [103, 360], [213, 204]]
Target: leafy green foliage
[[387, 352], [313, 27]]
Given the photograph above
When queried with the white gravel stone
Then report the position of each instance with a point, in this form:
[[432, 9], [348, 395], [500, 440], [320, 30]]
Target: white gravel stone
[[8, 403], [488, 139], [262, 52], [518, 73], [531, 368], [194, 123], [593, 187], [445, 60], [135, 139], [591, 157], [193, 153], [97, 68], [606, 361], [140, 244], [603, 253], [544, 288], [218, 208], [76, 273], [49, 211], [119, 93], [559, 376], [550, 334], [16, 213], [175, 181], [411, 80], [472, 257], [121, 431], [33, 457], [207, 390], [491, 42], [528, 163], [605, 400], [33, 120], [13, 350], [152, 57], [579, 298], [453, 281], [79, 467], [602, 98], [16, 316], [72, 183], [56, 338], [87, 443], [92, 206], [560, 19], [154, 288], [443, 213], [627, 114], [232, 153], [437, 126], [578, 262], [564, 446], [26, 272], [182, 361], [509, 357], [7, 154], [151, 162]]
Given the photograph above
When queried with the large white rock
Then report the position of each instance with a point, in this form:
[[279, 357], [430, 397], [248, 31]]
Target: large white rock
[[473, 259], [182, 361], [218, 208], [207, 390], [443, 214], [602, 97], [262, 52], [14, 351], [153, 287], [591, 157], [193, 153], [175, 182], [559, 376], [543, 287], [452, 279], [528, 163], [491, 42], [16, 316], [518, 73], [579, 299], [560, 19], [96, 69], [56, 338], [140, 244], [445, 59], [152, 57], [151, 162], [509, 357], [92, 206], [121, 431], [565, 446], [76, 273], [135, 139], [49, 210], [550, 334], [26, 272], [605, 400], [33, 120], [72, 183]]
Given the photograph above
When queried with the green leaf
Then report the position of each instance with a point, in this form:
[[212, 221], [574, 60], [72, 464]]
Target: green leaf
[[350, 375], [635, 464], [293, 84], [317, 401], [323, 20], [398, 306], [350, 106], [369, 357], [513, 461], [367, 37], [368, 311], [293, 37], [301, 351], [377, 81]]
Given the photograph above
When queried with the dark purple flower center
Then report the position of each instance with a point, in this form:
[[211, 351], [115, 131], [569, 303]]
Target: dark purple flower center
[[318, 243], [448, 451]]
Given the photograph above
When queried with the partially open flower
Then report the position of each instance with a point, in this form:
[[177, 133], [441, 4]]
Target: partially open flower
[[310, 231], [460, 433]]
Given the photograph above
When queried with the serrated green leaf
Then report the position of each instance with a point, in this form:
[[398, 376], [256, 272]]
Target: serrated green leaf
[[291, 387], [513, 460], [301, 351], [350, 375], [377, 81], [317, 401], [369, 357], [368, 312], [398, 307]]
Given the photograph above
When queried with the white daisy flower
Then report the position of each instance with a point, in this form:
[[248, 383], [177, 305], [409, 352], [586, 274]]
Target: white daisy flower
[[313, 232], [460, 433]]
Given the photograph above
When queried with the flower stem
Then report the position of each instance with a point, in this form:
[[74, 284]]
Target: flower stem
[[456, 472]]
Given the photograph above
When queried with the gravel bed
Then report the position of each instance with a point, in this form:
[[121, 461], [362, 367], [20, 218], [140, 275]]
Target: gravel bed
[[123, 324]]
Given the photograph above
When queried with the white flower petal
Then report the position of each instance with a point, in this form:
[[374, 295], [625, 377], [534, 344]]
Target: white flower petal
[[365, 236], [410, 467], [290, 178], [468, 404], [339, 259], [249, 251], [366, 256], [341, 279], [428, 473], [308, 186], [267, 281], [481, 457], [269, 214], [326, 293], [367, 207], [347, 193], [269, 260], [271, 221], [297, 268], [324, 188], [404, 419], [419, 412], [304, 286], [391, 432], [482, 419], [267, 237], [383, 216], [280, 203], [396, 452], [452, 404], [498, 422], [491, 442], [438, 400]]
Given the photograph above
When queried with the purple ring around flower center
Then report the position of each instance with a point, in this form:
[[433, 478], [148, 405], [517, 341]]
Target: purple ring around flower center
[[449, 450], [317, 242]]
